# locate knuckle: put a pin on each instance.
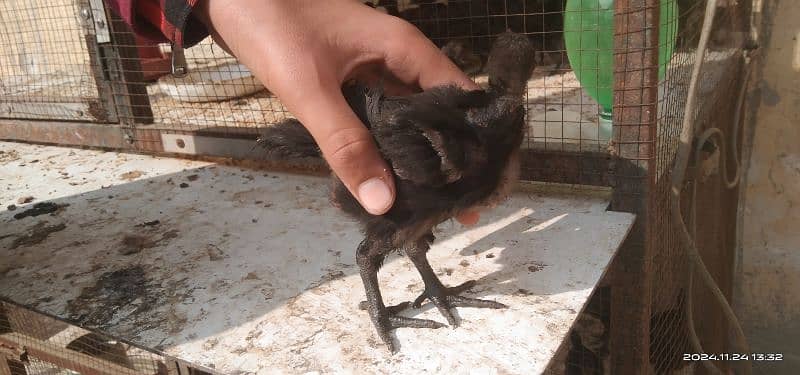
(347, 147)
(402, 33)
(401, 26)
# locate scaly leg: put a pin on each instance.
(369, 256)
(444, 298)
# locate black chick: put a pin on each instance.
(512, 56)
(450, 150)
(461, 54)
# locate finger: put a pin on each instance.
(374, 75)
(346, 144)
(469, 218)
(415, 60)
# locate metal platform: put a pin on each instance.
(249, 271)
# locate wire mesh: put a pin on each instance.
(565, 141)
(586, 350)
(221, 97)
(32, 343)
(719, 84)
(45, 65)
(562, 116)
(668, 334)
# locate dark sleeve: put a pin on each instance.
(161, 20)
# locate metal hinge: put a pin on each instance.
(95, 18)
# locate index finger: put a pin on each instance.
(414, 59)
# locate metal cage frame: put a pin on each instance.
(121, 116)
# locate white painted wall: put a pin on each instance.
(768, 298)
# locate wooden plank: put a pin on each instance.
(50, 110)
(13, 366)
(68, 335)
(64, 133)
(635, 98)
(4, 367)
(564, 167)
(82, 363)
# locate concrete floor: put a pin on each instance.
(253, 272)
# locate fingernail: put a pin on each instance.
(375, 196)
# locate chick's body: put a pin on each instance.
(450, 150)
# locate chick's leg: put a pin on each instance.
(369, 256)
(444, 298)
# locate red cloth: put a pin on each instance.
(161, 20)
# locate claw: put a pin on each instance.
(402, 321)
(445, 299)
(418, 302)
(458, 289)
(386, 320)
(444, 308)
(383, 333)
(459, 301)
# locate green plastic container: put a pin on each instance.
(589, 37)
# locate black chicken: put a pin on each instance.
(450, 150)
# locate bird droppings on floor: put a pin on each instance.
(260, 277)
(39, 209)
(36, 234)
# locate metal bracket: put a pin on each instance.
(100, 24)
(208, 146)
(179, 67)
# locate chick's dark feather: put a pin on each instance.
(443, 159)
(288, 139)
(448, 149)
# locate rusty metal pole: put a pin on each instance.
(634, 113)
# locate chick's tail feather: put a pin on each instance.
(288, 140)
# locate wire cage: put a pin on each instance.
(33, 343)
(46, 69)
(614, 119)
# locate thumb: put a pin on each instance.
(348, 147)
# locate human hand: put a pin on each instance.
(304, 50)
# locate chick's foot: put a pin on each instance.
(447, 298)
(386, 319)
